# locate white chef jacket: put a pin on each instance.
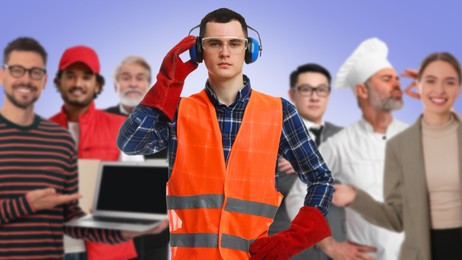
(356, 156)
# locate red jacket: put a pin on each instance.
(97, 140)
(98, 133)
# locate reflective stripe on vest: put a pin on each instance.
(250, 207)
(216, 201)
(194, 240)
(210, 240)
(194, 202)
(217, 210)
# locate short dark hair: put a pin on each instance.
(440, 56)
(222, 15)
(24, 44)
(310, 67)
(99, 79)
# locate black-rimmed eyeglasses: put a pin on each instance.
(18, 71)
(308, 90)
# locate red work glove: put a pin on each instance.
(308, 228)
(165, 93)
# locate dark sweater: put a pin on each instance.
(38, 156)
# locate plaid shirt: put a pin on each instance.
(147, 130)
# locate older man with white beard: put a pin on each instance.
(356, 154)
(132, 79)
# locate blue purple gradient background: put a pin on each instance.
(293, 32)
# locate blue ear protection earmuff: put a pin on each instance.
(253, 51)
(195, 52)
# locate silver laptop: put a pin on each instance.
(128, 196)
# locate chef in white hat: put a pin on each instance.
(356, 154)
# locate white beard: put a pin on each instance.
(130, 101)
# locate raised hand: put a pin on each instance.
(166, 92)
(412, 74)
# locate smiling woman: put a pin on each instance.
(439, 85)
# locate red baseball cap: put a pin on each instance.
(80, 53)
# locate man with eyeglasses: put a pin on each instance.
(357, 153)
(310, 92)
(38, 169)
(18, 71)
(223, 147)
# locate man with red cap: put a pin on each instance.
(79, 81)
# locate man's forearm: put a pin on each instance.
(145, 131)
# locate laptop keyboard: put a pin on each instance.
(122, 220)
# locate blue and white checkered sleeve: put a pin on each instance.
(145, 131)
(300, 150)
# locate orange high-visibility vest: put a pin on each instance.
(217, 211)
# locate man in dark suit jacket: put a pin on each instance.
(132, 79)
(309, 91)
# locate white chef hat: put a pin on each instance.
(368, 58)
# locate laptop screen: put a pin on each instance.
(133, 188)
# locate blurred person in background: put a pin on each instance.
(132, 78)
(356, 154)
(423, 174)
(79, 82)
